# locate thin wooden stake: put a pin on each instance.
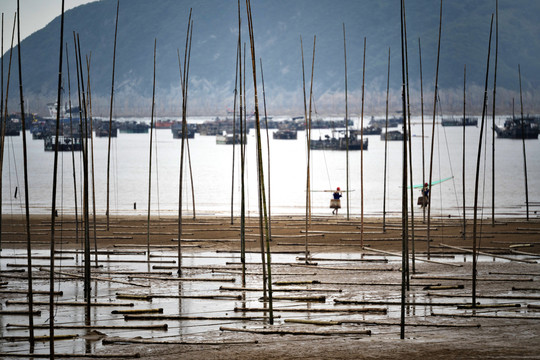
(347, 128)
(150, 157)
(493, 116)
(386, 142)
(523, 142)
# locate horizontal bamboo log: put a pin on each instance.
(182, 279)
(397, 323)
(320, 298)
(487, 306)
(515, 288)
(35, 292)
(385, 302)
(462, 278)
(443, 287)
(183, 317)
(138, 311)
(316, 310)
(38, 338)
(492, 255)
(134, 297)
(488, 316)
(300, 282)
(313, 322)
(239, 288)
(533, 306)
(20, 312)
(514, 297)
(69, 356)
(301, 258)
(416, 257)
(70, 303)
(97, 278)
(106, 327)
(347, 269)
(276, 331)
(118, 340)
(513, 273)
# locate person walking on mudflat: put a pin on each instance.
(335, 203)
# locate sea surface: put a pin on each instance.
(214, 190)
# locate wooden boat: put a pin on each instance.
(229, 139)
(285, 134)
(339, 143)
(65, 143)
(514, 128)
(459, 121)
(393, 135)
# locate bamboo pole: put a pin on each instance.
(433, 134)
(422, 115)
(347, 127)
(234, 131)
(269, 221)
(404, 202)
(92, 158)
(407, 123)
(262, 195)
(2, 125)
(307, 147)
(242, 154)
(26, 195)
(493, 115)
(473, 300)
(150, 157)
(463, 160)
(72, 151)
(110, 113)
(297, 332)
(182, 146)
(55, 173)
(523, 143)
(362, 151)
(386, 143)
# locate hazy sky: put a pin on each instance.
(35, 14)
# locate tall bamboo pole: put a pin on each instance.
(404, 202)
(362, 151)
(92, 160)
(433, 137)
(268, 151)
(476, 184)
(234, 132)
(463, 160)
(262, 214)
(386, 142)
(26, 195)
(407, 123)
(347, 127)
(86, 211)
(110, 113)
(306, 255)
(2, 125)
(493, 115)
(150, 157)
(5, 116)
(72, 151)
(523, 143)
(53, 207)
(182, 146)
(422, 115)
(242, 156)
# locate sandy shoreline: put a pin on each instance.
(448, 335)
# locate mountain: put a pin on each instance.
(278, 26)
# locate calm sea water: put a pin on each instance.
(212, 174)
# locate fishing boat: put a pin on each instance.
(285, 134)
(133, 127)
(372, 130)
(469, 121)
(176, 129)
(229, 139)
(339, 143)
(517, 129)
(392, 122)
(393, 135)
(65, 143)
